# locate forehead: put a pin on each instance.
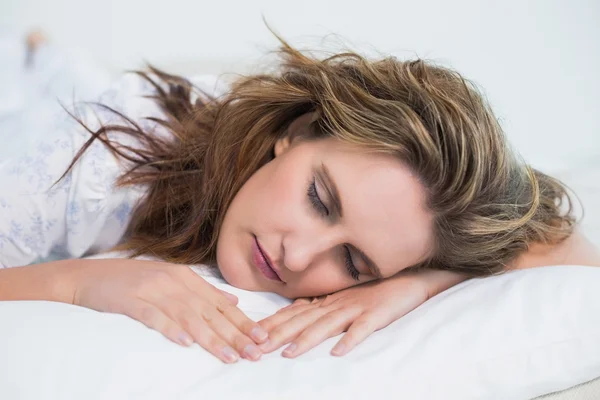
(384, 205)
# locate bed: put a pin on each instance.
(516, 336)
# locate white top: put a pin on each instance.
(85, 213)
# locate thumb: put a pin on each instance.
(232, 298)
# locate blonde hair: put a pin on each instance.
(488, 205)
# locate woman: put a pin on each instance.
(368, 186)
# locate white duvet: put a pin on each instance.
(514, 336)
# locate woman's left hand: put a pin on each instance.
(359, 310)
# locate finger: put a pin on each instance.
(357, 332)
(329, 325)
(244, 324)
(208, 339)
(290, 329)
(217, 297)
(232, 335)
(232, 298)
(178, 331)
(155, 319)
(197, 284)
(297, 302)
(195, 313)
(283, 315)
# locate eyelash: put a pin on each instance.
(350, 265)
(315, 200)
(318, 205)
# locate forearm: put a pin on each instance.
(436, 281)
(53, 281)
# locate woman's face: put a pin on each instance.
(316, 214)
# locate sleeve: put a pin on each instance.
(84, 213)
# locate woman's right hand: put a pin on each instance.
(171, 299)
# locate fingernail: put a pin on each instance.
(185, 339)
(258, 333)
(230, 354)
(252, 351)
(230, 296)
(290, 349)
(338, 350)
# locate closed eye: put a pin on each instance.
(315, 200)
(322, 209)
(354, 273)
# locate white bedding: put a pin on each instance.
(514, 336)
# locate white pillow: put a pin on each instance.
(514, 336)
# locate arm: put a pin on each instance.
(360, 310)
(371, 306)
(169, 298)
(575, 250)
(436, 281)
(52, 281)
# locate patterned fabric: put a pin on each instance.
(84, 213)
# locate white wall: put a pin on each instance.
(538, 61)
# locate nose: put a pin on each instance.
(302, 250)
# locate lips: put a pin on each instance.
(262, 263)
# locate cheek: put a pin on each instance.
(276, 195)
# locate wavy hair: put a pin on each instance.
(488, 205)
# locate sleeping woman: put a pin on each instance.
(360, 187)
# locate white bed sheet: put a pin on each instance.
(514, 336)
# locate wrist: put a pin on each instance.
(437, 281)
(53, 281)
(64, 279)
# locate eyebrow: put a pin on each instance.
(334, 195)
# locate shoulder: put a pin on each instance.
(575, 250)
